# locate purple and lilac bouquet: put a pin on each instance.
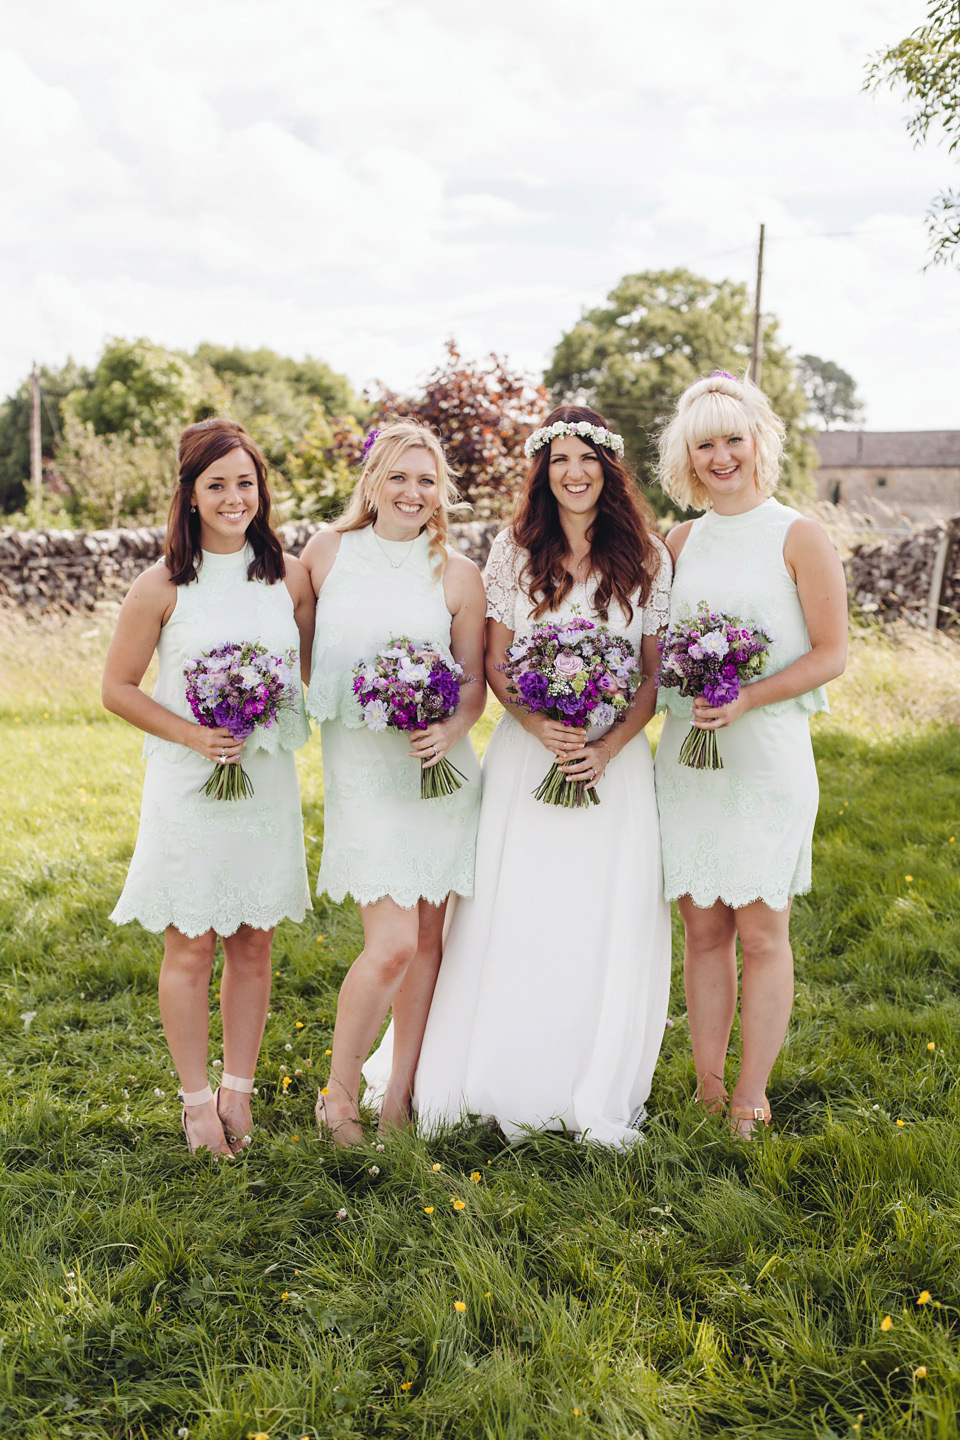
(237, 687)
(710, 655)
(407, 687)
(578, 673)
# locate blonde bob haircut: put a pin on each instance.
(392, 442)
(718, 405)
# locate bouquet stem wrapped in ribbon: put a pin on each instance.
(710, 655)
(237, 687)
(580, 674)
(407, 687)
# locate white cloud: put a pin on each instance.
(362, 179)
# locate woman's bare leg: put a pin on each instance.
(389, 944)
(766, 999)
(183, 992)
(411, 1005)
(710, 982)
(244, 1000)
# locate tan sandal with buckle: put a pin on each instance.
(744, 1120)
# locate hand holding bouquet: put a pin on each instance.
(579, 674)
(711, 655)
(237, 687)
(408, 687)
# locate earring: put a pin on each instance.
(193, 509)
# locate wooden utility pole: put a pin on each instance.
(36, 455)
(756, 354)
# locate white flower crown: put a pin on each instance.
(581, 428)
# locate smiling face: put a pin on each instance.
(227, 498)
(408, 496)
(575, 475)
(726, 466)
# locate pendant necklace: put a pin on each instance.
(394, 564)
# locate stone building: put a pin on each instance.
(886, 477)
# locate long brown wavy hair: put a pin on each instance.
(200, 446)
(622, 552)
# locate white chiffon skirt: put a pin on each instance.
(552, 996)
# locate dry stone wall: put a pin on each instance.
(63, 570)
(46, 571)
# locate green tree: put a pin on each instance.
(275, 397)
(632, 357)
(483, 413)
(55, 386)
(139, 388)
(927, 66)
(116, 479)
(831, 392)
(320, 470)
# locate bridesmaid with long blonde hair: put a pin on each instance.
(385, 570)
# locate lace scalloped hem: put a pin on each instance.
(736, 902)
(350, 718)
(331, 697)
(406, 898)
(156, 921)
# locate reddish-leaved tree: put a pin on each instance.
(483, 413)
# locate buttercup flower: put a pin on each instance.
(406, 1384)
(285, 1295)
(886, 1323)
(428, 1209)
(920, 1373)
(924, 1297)
(459, 1306)
(475, 1176)
(437, 1166)
(459, 1204)
(298, 1025)
(931, 1045)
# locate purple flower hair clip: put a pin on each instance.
(368, 443)
(715, 373)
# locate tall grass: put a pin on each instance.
(696, 1287)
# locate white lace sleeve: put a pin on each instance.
(656, 612)
(500, 578)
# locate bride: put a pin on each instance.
(550, 1004)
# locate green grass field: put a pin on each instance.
(805, 1285)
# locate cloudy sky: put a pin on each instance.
(361, 179)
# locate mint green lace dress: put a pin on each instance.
(745, 832)
(379, 838)
(202, 864)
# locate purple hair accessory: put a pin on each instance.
(714, 373)
(367, 444)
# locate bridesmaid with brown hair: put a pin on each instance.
(204, 867)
